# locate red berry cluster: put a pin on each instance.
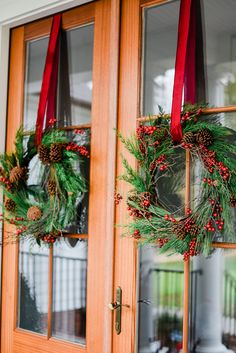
(133, 212)
(19, 219)
(191, 115)
(50, 239)
(52, 121)
(117, 198)
(7, 184)
(192, 249)
(136, 234)
(146, 203)
(81, 149)
(159, 162)
(168, 217)
(187, 145)
(188, 211)
(79, 131)
(19, 231)
(145, 130)
(210, 162)
(161, 242)
(217, 220)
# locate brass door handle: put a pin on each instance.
(117, 306)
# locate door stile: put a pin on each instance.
(128, 111)
(103, 144)
(10, 250)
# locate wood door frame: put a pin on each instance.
(106, 40)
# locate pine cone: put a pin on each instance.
(178, 229)
(194, 230)
(204, 137)
(43, 152)
(10, 205)
(18, 173)
(189, 138)
(232, 201)
(56, 152)
(34, 213)
(145, 196)
(52, 188)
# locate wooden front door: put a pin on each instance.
(175, 306)
(55, 300)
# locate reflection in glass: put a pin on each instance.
(79, 72)
(214, 326)
(33, 288)
(159, 50)
(160, 302)
(35, 59)
(75, 77)
(69, 290)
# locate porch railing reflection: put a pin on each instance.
(167, 312)
(69, 282)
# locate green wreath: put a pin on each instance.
(42, 185)
(183, 231)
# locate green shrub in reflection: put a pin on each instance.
(30, 317)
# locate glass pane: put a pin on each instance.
(160, 39)
(33, 288)
(35, 59)
(69, 290)
(160, 302)
(75, 77)
(213, 305)
(79, 70)
(161, 279)
(220, 51)
(159, 48)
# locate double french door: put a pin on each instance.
(119, 66)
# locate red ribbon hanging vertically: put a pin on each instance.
(180, 65)
(49, 83)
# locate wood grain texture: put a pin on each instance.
(70, 19)
(128, 111)
(101, 211)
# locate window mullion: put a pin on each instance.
(50, 291)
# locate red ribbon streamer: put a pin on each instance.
(49, 82)
(190, 65)
(180, 65)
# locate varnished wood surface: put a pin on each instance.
(9, 255)
(128, 111)
(70, 19)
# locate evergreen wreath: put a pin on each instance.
(210, 219)
(42, 212)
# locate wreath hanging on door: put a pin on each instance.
(42, 212)
(157, 155)
(47, 158)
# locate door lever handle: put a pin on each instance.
(117, 306)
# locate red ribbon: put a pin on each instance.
(180, 65)
(190, 65)
(49, 83)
